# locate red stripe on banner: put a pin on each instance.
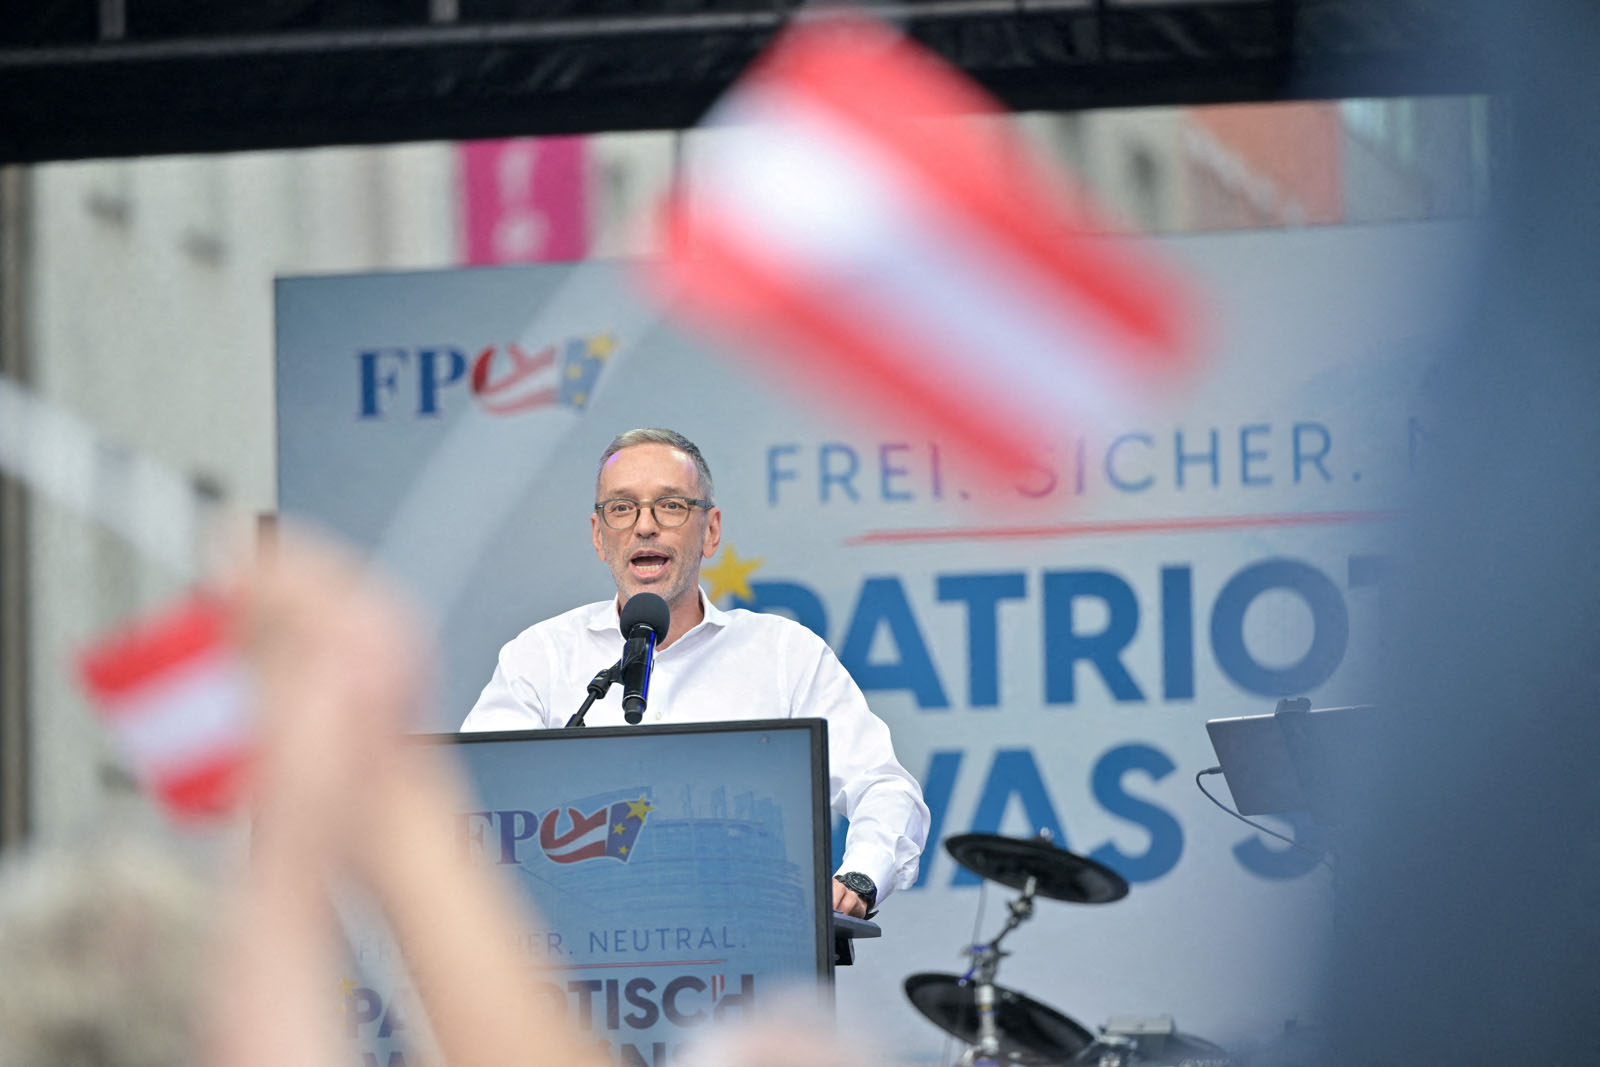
(730, 287)
(981, 174)
(195, 628)
(1122, 526)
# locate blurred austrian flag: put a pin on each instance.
(176, 698)
(854, 211)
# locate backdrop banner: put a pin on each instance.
(1046, 654)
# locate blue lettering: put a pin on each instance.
(1111, 468)
(1012, 774)
(1303, 456)
(776, 474)
(883, 602)
(365, 1006)
(1246, 454)
(1064, 646)
(1047, 482)
(510, 834)
(669, 1000)
(788, 598)
(391, 1021)
(1166, 835)
(1330, 628)
(886, 471)
(844, 477)
(1177, 633)
(636, 991)
(429, 381)
(375, 378)
(1283, 862)
(1185, 458)
(585, 989)
(982, 594)
(937, 785)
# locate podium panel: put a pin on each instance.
(676, 873)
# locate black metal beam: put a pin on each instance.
(598, 69)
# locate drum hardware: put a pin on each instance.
(1031, 1034)
(1055, 873)
(985, 964)
(1148, 1041)
(1003, 1026)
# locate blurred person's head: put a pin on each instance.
(654, 519)
(101, 953)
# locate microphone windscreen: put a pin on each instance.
(645, 609)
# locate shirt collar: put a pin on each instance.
(605, 617)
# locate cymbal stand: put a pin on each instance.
(985, 964)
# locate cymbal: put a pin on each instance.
(1058, 874)
(1030, 1032)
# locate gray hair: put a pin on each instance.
(655, 435)
(101, 956)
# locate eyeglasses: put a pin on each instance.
(621, 513)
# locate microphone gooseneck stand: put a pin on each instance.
(597, 689)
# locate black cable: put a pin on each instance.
(1318, 856)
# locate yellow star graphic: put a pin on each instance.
(347, 989)
(622, 850)
(638, 809)
(601, 345)
(619, 829)
(730, 575)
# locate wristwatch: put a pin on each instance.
(861, 886)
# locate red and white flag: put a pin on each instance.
(847, 210)
(176, 697)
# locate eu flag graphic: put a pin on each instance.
(608, 831)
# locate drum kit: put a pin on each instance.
(1002, 1026)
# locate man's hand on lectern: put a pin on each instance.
(847, 902)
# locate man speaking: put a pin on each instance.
(653, 524)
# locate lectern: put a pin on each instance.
(677, 874)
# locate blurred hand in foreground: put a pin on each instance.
(340, 664)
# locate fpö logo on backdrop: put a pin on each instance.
(564, 834)
(422, 382)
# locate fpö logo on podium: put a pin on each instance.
(509, 379)
(564, 834)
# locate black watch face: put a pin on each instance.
(861, 886)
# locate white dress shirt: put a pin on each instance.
(734, 665)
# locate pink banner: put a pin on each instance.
(524, 200)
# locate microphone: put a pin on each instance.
(645, 618)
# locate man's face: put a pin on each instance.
(650, 557)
